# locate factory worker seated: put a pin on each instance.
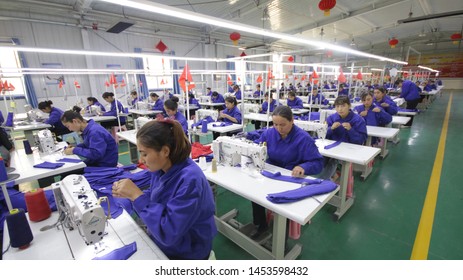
(178, 207)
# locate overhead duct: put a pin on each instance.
(120, 26)
(428, 17)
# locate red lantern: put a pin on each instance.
(161, 46)
(291, 59)
(455, 38)
(235, 36)
(393, 42)
(326, 6)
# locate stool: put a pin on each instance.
(115, 130)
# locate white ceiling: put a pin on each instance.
(368, 23)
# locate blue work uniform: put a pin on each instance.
(273, 105)
(113, 112)
(238, 95)
(409, 91)
(430, 87)
(209, 93)
(134, 101)
(102, 108)
(356, 135)
(319, 99)
(182, 120)
(193, 101)
(235, 113)
(344, 91)
(99, 147)
(295, 104)
(258, 93)
(297, 149)
(218, 99)
(178, 210)
(392, 109)
(158, 105)
(54, 120)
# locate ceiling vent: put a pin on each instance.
(120, 26)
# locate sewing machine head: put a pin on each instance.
(141, 121)
(324, 114)
(202, 113)
(251, 108)
(79, 208)
(229, 151)
(141, 105)
(94, 110)
(45, 141)
(205, 99)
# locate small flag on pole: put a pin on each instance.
(186, 76)
(60, 85)
(259, 79)
(11, 87)
(76, 84)
(106, 84)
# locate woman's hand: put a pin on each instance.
(347, 125)
(335, 125)
(69, 151)
(125, 188)
(376, 110)
(298, 172)
(363, 113)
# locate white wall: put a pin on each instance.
(453, 83)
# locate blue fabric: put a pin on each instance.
(113, 111)
(295, 104)
(178, 210)
(9, 119)
(327, 147)
(31, 96)
(193, 101)
(391, 109)
(235, 113)
(122, 253)
(99, 147)
(356, 135)
(182, 120)
(303, 192)
(291, 179)
(344, 91)
(218, 99)
(255, 135)
(141, 77)
(409, 91)
(158, 105)
(208, 158)
(430, 87)
(297, 149)
(273, 105)
(318, 99)
(221, 124)
(208, 119)
(48, 165)
(70, 160)
(238, 95)
(374, 118)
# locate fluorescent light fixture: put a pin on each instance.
(376, 69)
(233, 25)
(427, 68)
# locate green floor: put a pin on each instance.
(383, 221)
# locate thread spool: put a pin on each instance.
(3, 175)
(204, 126)
(214, 166)
(27, 147)
(19, 229)
(37, 205)
(9, 119)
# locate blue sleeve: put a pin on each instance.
(358, 132)
(329, 132)
(95, 148)
(383, 118)
(405, 90)
(262, 138)
(312, 161)
(112, 111)
(169, 223)
(2, 120)
(359, 108)
(392, 109)
(299, 104)
(54, 118)
(237, 116)
(158, 105)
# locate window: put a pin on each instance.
(158, 73)
(10, 72)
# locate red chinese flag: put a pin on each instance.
(229, 80)
(162, 82)
(303, 78)
(259, 79)
(286, 77)
(1, 85)
(112, 79)
(60, 85)
(106, 84)
(314, 77)
(359, 75)
(341, 78)
(186, 76)
(76, 84)
(123, 83)
(5, 85)
(11, 87)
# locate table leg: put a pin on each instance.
(340, 200)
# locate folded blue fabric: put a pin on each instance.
(221, 124)
(9, 119)
(49, 165)
(122, 253)
(325, 186)
(132, 166)
(291, 179)
(327, 147)
(70, 160)
(208, 119)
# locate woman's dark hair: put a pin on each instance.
(268, 94)
(343, 99)
(231, 99)
(156, 134)
(215, 93)
(45, 104)
(365, 94)
(381, 89)
(191, 95)
(133, 92)
(76, 108)
(398, 82)
(284, 112)
(107, 94)
(70, 115)
(258, 85)
(236, 87)
(93, 99)
(153, 94)
(172, 103)
(292, 94)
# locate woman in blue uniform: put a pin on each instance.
(268, 100)
(135, 99)
(171, 108)
(384, 101)
(293, 101)
(409, 92)
(231, 114)
(289, 147)
(54, 118)
(99, 147)
(158, 104)
(372, 114)
(317, 98)
(178, 208)
(109, 97)
(344, 126)
(93, 101)
(258, 92)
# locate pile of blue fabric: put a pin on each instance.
(208, 119)
(255, 135)
(314, 116)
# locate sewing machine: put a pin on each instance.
(324, 114)
(141, 121)
(94, 110)
(202, 113)
(205, 99)
(45, 141)
(251, 108)
(141, 105)
(229, 151)
(79, 208)
(320, 128)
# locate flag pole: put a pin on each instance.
(113, 82)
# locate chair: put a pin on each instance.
(115, 130)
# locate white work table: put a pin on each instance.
(222, 129)
(100, 118)
(144, 112)
(28, 128)
(255, 187)
(258, 117)
(405, 113)
(299, 111)
(347, 154)
(205, 104)
(400, 120)
(59, 244)
(315, 106)
(385, 133)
